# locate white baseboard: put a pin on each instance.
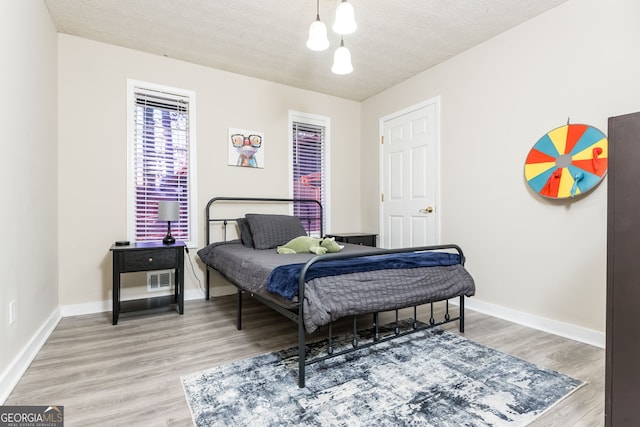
(220, 291)
(86, 308)
(18, 367)
(102, 306)
(566, 330)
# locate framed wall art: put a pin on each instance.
(246, 148)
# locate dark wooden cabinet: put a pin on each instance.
(356, 238)
(622, 377)
(148, 256)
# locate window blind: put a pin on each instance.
(309, 171)
(161, 162)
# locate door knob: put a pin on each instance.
(428, 209)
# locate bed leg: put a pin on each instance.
(330, 343)
(239, 324)
(354, 342)
(461, 327)
(302, 354)
(432, 321)
(376, 329)
(415, 317)
(397, 328)
(446, 313)
(207, 290)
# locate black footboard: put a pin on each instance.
(377, 339)
(416, 325)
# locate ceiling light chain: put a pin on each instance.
(344, 23)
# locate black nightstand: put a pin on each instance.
(148, 256)
(356, 238)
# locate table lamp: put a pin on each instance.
(168, 211)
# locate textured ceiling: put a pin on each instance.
(396, 39)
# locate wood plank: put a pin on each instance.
(130, 373)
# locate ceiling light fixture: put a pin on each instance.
(345, 22)
(318, 40)
(342, 60)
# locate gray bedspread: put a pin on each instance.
(330, 298)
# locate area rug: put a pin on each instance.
(429, 378)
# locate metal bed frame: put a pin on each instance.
(296, 314)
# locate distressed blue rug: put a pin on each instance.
(430, 378)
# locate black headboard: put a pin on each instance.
(314, 214)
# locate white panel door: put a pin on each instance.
(409, 177)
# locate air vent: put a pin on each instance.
(159, 280)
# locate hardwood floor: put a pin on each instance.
(129, 374)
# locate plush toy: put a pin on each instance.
(305, 244)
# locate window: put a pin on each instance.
(161, 156)
(309, 178)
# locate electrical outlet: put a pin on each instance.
(12, 312)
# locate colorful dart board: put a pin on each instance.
(568, 161)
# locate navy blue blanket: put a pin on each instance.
(283, 280)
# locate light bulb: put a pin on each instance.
(342, 60)
(318, 36)
(345, 22)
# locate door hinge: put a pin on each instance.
(382, 197)
(382, 139)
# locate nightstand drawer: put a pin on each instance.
(362, 240)
(356, 238)
(156, 259)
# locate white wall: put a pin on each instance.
(542, 258)
(65, 205)
(28, 119)
(92, 92)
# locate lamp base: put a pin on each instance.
(168, 240)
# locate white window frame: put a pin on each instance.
(132, 86)
(316, 120)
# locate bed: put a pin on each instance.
(316, 290)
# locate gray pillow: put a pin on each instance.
(269, 231)
(245, 232)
